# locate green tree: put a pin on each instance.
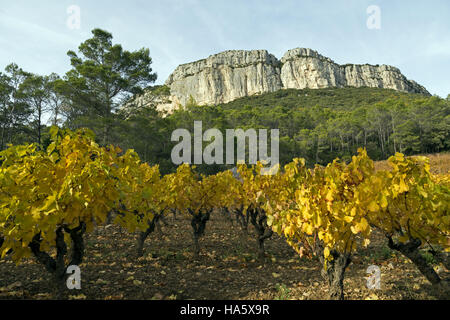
(5, 96)
(104, 76)
(57, 101)
(13, 112)
(34, 92)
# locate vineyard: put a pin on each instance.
(298, 233)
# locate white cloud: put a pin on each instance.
(35, 31)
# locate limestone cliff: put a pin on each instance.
(233, 74)
(305, 68)
(225, 76)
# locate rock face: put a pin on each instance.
(225, 76)
(233, 74)
(157, 97)
(305, 68)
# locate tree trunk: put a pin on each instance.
(196, 245)
(109, 217)
(334, 272)
(198, 224)
(174, 213)
(411, 251)
(39, 125)
(264, 232)
(393, 134)
(158, 227)
(2, 240)
(365, 138)
(242, 219)
(317, 150)
(55, 119)
(3, 137)
(76, 236)
(143, 236)
(56, 266)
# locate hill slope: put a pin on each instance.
(322, 124)
(336, 98)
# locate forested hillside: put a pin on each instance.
(322, 124)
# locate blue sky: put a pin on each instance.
(414, 35)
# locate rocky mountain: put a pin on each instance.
(233, 74)
(226, 76)
(305, 68)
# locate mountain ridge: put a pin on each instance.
(232, 74)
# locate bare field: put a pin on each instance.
(227, 269)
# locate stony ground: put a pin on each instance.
(226, 269)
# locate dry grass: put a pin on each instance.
(439, 163)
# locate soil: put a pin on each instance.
(226, 269)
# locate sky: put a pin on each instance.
(413, 36)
